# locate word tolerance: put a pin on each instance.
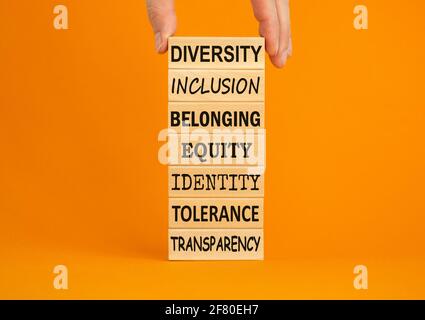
(216, 148)
(213, 213)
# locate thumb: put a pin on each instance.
(163, 20)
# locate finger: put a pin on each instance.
(290, 36)
(282, 8)
(266, 15)
(290, 47)
(163, 20)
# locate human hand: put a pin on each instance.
(163, 20)
(273, 16)
(275, 27)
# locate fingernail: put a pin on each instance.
(158, 41)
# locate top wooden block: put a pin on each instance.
(216, 53)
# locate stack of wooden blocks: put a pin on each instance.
(216, 148)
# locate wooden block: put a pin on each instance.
(198, 181)
(224, 149)
(209, 116)
(216, 53)
(215, 85)
(213, 213)
(215, 244)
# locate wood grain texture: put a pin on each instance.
(252, 60)
(199, 181)
(234, 116)
(215, 85)
(216, 244)
(225, 149)
(215, 213)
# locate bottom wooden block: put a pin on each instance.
(215, 244)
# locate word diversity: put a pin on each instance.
(216, 148)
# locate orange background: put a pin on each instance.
(80, 183)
